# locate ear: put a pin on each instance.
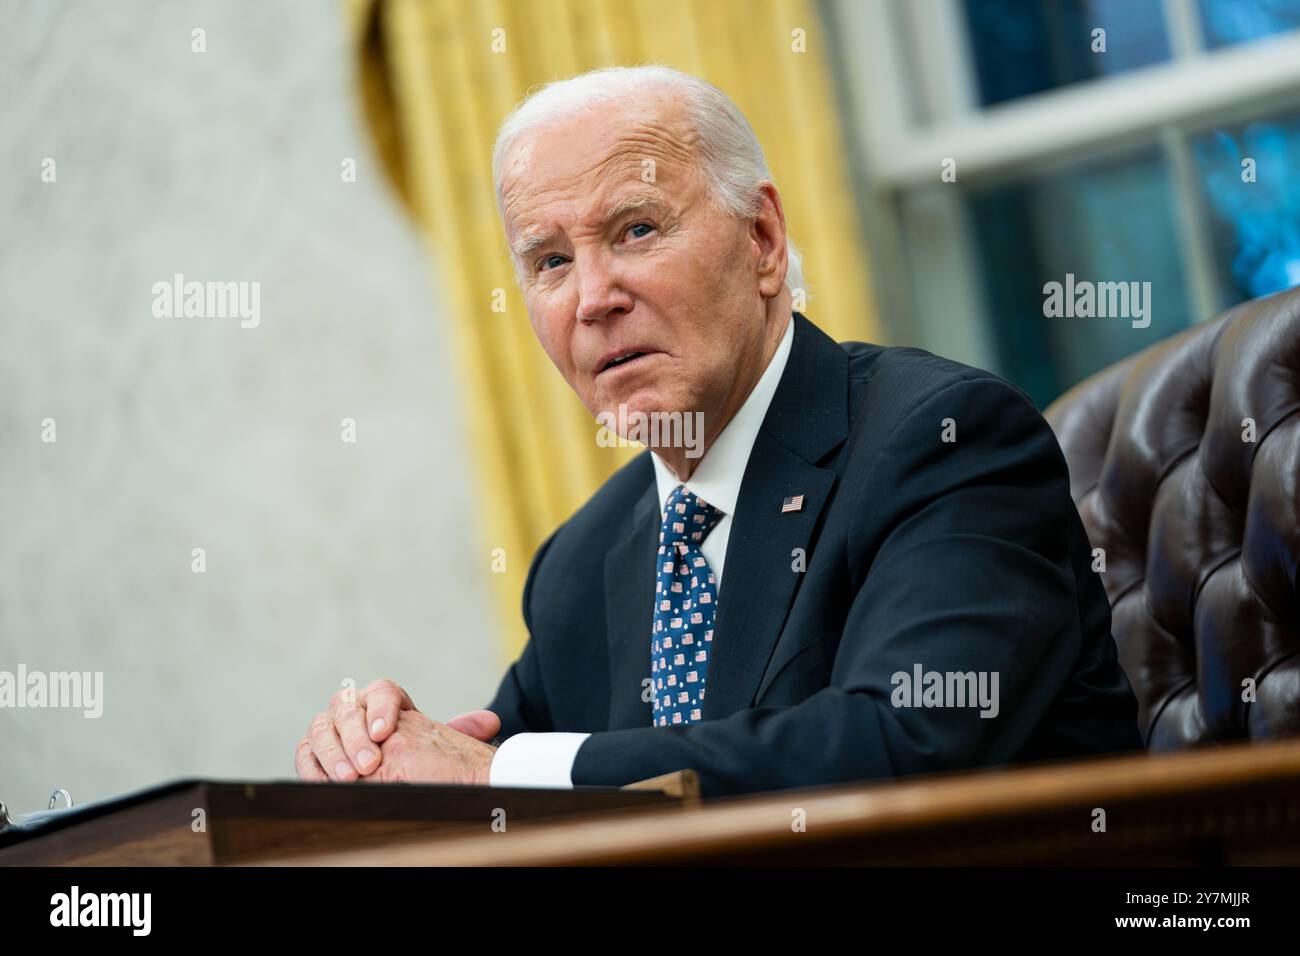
(767, 232)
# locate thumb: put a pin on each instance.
(479, 724)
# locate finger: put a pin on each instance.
(328, 750)
(350, 724)
(306, 764)
(382, 701)
(479, 724)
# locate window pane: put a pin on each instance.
(1225, 22)
(1110, 222)
(1019, 47)
(1250, 177)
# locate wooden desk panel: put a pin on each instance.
(201, 823)
(1234, 804)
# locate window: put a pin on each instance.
(1225, 22)
(1000, 148)
(1101, 222)
(1020, 47)
(1250, 178)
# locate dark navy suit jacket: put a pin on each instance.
(958, 556)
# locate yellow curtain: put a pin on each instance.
(436, 77)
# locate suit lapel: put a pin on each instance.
(759, 578)
(629, 612)
(808, 419)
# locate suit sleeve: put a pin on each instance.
(520, 700)
(963, 566)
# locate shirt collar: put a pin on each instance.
(717, 477)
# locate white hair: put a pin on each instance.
(731, 158)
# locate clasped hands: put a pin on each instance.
(376, 734)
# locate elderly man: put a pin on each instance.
(874, 568)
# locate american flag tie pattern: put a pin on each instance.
(686, 600)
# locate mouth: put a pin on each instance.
(621, 359)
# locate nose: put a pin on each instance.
(600, 289)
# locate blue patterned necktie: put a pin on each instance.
(686, 598)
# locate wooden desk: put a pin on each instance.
(206, 822)
(1236, 804)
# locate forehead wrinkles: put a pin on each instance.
(671, 148)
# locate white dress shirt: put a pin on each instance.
(546, 759)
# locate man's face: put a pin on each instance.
(640, 291)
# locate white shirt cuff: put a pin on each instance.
(536, 760)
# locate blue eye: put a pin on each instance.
(543, 264)
(640, 225)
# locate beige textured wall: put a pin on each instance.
(325, 560)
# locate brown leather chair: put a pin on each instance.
(1200, 526)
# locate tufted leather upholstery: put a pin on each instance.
(1200, 528)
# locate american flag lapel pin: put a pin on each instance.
(793, 503)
